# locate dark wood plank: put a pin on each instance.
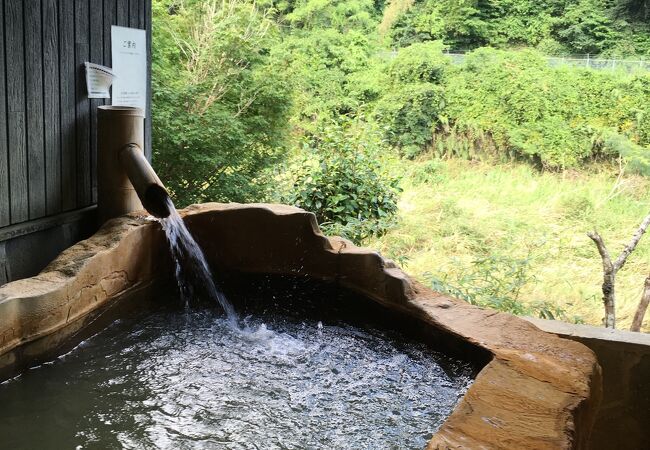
(67, 98)
(110, 19)
(46, 118)
(87, 214)
(5, 216)
(123, 13)
(96, 56)
(148, 121)
(134, 13)
(17, 140)
(52, 107)
(34, 109)
(82, 54)
(4, 264)
(142, 14)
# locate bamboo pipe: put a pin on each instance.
(126, 181)
(148, 186)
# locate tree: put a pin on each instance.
(220, 101)
(611, 268)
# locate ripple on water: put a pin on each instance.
(190, 380)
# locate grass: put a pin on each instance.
(454, 212)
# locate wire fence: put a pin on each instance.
(628, 65)
(585, 61)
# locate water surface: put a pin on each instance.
(297, 376)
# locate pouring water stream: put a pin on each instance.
(190, 262)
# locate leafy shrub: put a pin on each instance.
(508, 104)
(419, 63)
(553, 141)
(554, 26)
(636, 157)
(585, 28)
(409, 115)
(342, 183)
(341, 15)
(428, 172)
(554, 117)
(333, 73)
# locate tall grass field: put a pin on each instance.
(521, 233)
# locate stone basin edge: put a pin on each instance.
(538, 391)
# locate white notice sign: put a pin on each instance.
(129, 49)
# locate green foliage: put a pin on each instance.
(636, 157)
(419, 63)
(496, 282)
(340, 15)
(585, 27)
(555, 26)
(341, 181)
(220, 104)
(492, 281)
(233, 90)
(552, 116)
(428, 172)
(414, 99)
(409, 115)
(504, 104)
(334, 74)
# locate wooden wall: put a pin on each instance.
(47, 123)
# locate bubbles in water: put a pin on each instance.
(175, 381)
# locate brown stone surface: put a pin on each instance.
(624, 356)
(125, 254)
(537, 391)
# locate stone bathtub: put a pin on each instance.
(534, 390)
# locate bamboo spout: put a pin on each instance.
(126, 181)
(148, 186)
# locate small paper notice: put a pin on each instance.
(129, 49)
(98, 80)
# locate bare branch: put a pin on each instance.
(610, 269)
(629, 248)
(643, 306)
(609, 281)
(602, 249)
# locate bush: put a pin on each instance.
(636, 157)
(554, 26)
(342, 183)
(330, 73)
(553, 141)
(414, 99)
(552, 116)
(419, 63)
(409, 116)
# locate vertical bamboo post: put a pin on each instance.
(117, 127)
